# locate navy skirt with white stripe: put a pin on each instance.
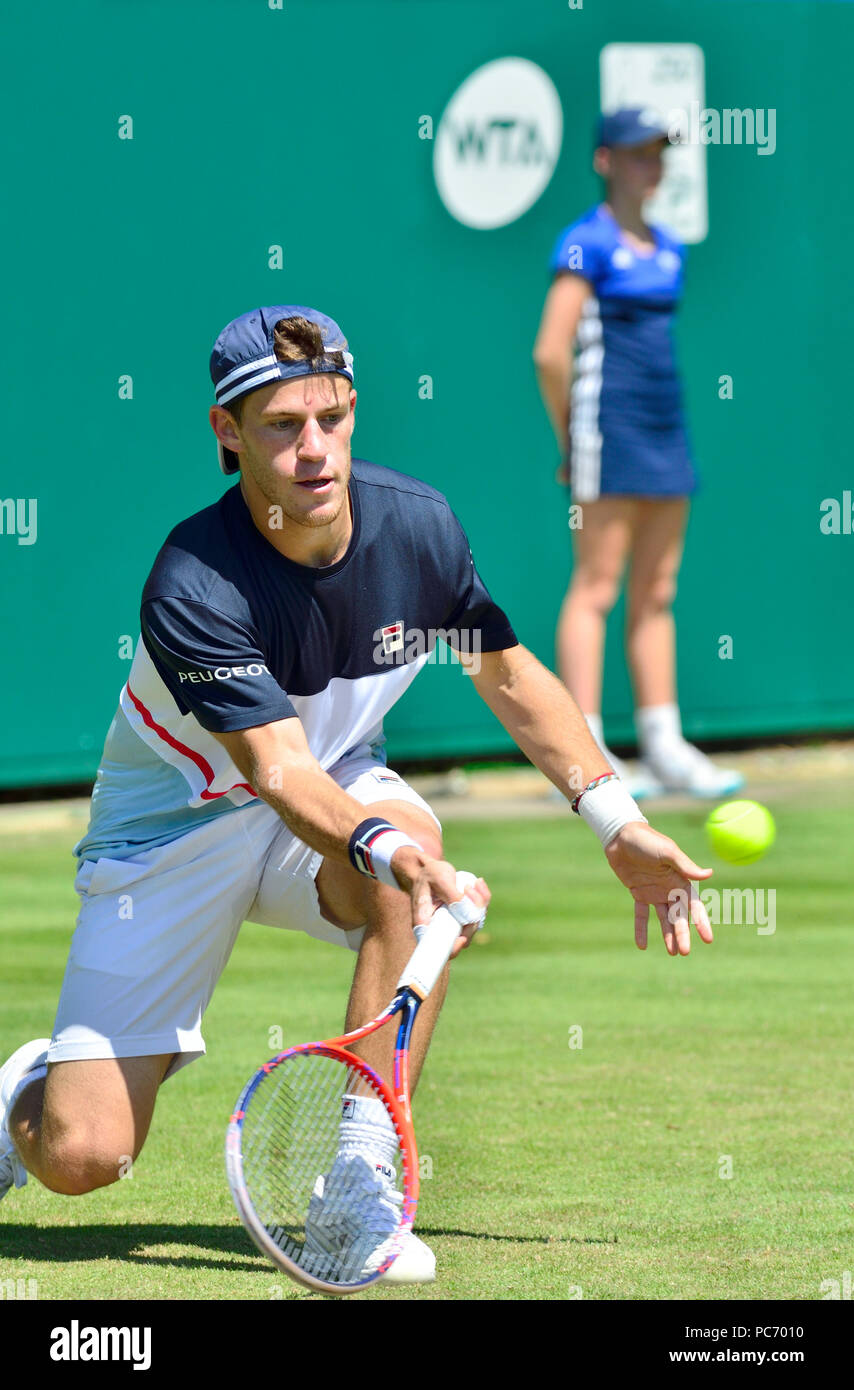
(627, 431)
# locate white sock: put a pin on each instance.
(659, 728)
(594, 724)
(367, 1131)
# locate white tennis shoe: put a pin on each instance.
(31, 1056)
(683, 768)
(353, 1217)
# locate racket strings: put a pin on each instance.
(331, 1214)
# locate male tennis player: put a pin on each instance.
(244, 778)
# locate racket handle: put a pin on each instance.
(435, 943)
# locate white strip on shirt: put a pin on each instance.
(585, 436)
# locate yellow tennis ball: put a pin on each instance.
(740, 831)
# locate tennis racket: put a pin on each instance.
(322, 1223)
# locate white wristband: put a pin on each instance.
(382, 849)
(607, 808)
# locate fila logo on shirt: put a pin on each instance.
(224, 673)
(392, 637)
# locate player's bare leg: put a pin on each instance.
(388, 943)
(650, 626)
(352, 900)
(600, 552)
(81, 1126)
(651, 647)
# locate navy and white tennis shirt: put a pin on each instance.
(627, 429)
(236, 635)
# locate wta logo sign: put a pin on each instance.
(498, 143)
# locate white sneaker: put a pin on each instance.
(12, 1171)
(684, 768)
(353, 1217)
(27, 1058)
(638, 781)
(416, 1264)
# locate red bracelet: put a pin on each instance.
(597, 782)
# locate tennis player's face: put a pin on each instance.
(295, 446)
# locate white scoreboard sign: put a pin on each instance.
(670, 78)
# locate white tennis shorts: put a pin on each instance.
(154, 932)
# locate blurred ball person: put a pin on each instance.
(616, 284)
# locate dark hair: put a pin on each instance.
(294, 340)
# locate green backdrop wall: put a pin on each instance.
(299, 127)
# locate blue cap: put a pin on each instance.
(631, 126)
(244, 358)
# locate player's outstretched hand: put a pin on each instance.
(431, 884)
(659, 875)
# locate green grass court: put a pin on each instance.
(556, 1171)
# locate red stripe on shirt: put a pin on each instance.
(201, 762)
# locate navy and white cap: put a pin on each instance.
(631, 126)
(244, 358)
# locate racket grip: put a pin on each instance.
(435, 942)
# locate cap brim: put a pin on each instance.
(228, 461)
(634, 142)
